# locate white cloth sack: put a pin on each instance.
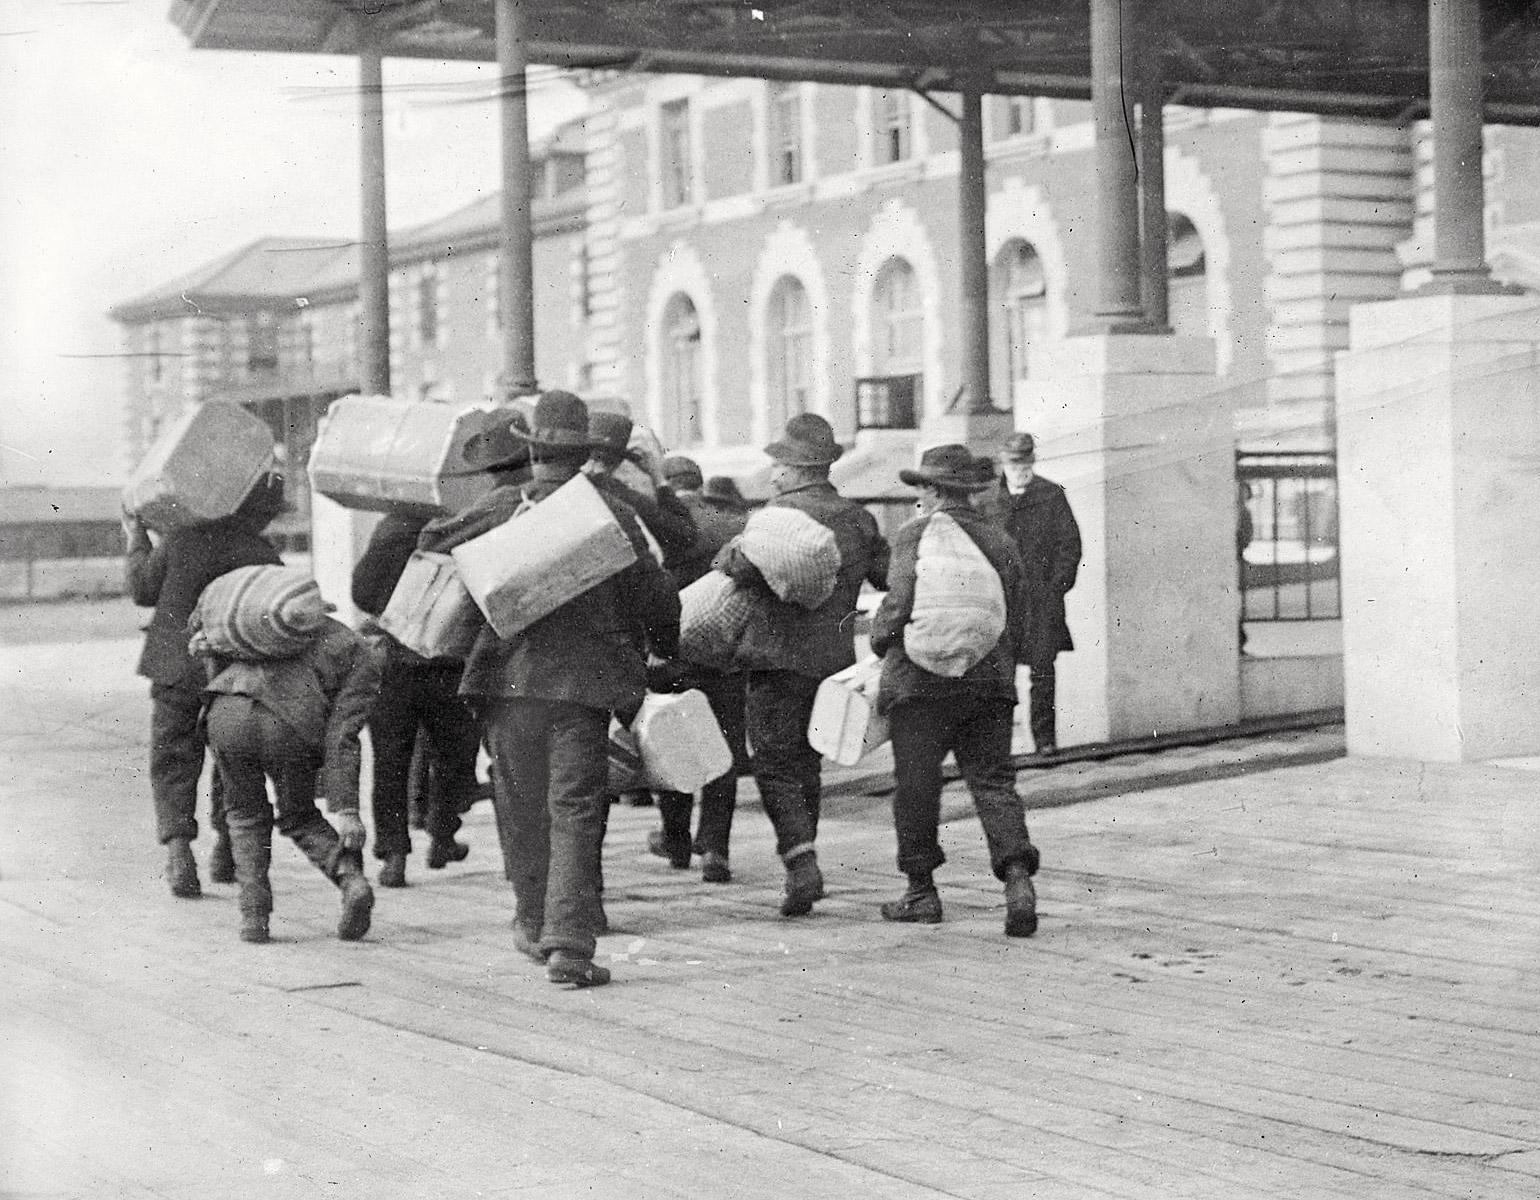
(845, 726)
(713, 613)
(798, 555)
(959, 605)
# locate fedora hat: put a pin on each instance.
(610, 431)
(949, 466)
(682, 471)
(807, 441)
(560, 422)
(500, 448)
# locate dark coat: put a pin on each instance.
(664, 514)
(995, 674)
(324, 695)
(172, 576)
(1045, 532)
(814, 642)
(379, 570)
(590, 651)
(716, 524)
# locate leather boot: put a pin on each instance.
(919, 905)
(357, 898)
(251, 852)
(393, 871)
(573, 970)
(526, 941)
(1020, 902)
(714, 868)
(443, 851)
(674, 847)
(182, 869)
(222, 861)
(804, 885)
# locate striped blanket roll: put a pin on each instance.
(257, 614)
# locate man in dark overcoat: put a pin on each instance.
(787, 650)
(547, 695)
(421, 694)
(171, 575)
(1037, 515)
(968, 715)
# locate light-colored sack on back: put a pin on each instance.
(258, 614)
(959, 605)
(798, 555)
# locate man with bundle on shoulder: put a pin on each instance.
(946, 634)
(547, 695)
(788, 648)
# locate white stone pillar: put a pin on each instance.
(1135, 430)
(1438, 435)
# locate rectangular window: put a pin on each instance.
(674, 145)
(1019, 116)
(893, 133)
(887, 401)
(427, 305)
(262, 344)
(785, 134)
(1286, 537)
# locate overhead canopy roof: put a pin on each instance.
(1356, 57)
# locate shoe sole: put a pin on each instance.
(577, 975)
(903, 918)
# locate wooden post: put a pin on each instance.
(516, 291)
(374, 259)
(1155, 270)
(972, 253)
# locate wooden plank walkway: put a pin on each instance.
(1322, 981)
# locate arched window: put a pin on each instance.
(898, 324)
(1188, 303)
(1020, 312)
(789, 371)
(681, 359)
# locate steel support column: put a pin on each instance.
(516, 275)
(1459, 191)
(374, 257)
(972, 253)
(1114, 79)
(1155, 271)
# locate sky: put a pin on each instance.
(128, 158)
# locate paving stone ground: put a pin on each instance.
(1251, 980)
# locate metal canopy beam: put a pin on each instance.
(1365, 58)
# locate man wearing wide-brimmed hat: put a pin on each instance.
(547, 695)
(422, 694)
(614, 468)
(788, 650)
(966, 712)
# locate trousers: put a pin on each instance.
(1042, 718)
(413, 696)
(719, 798)
(550, 769)
(777, 708)
(978, 731)
(177, 747)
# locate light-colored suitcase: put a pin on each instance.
(845, 725)
(430, 612)
(381, 454)
(680, 742)
(544, 556)
(201, 467)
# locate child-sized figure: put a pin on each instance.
(296, 721)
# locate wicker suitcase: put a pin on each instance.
(381, 454)
(201, 467)
(430, 612)
(546, 555)
(845, 725)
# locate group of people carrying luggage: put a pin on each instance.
(950, 630)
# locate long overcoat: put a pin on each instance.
(1044, 529)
